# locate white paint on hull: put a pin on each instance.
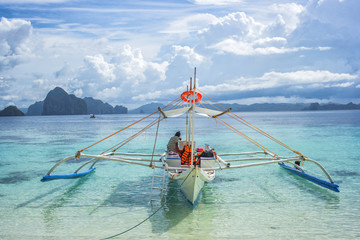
(192, 181)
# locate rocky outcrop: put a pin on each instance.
(58, 102)
(118, 109)
(35, 109)
(96, 106)
(11, 111)
(332, 106)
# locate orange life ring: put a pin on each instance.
(186, 96)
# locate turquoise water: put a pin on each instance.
(252, 203)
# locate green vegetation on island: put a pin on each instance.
(59, 102)
(11, 111)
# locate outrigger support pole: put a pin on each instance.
(161, 111)
(322, 168)
(226, 111)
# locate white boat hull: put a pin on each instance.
(192, 181)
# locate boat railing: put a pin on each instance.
(242, 153)
(254, 164)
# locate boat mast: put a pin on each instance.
(193, 119)
(188, 124)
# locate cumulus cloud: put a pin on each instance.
(304, 77)
(288, 15)
(155, 95)
(131, 65)
(215, 2)
(33, 1)
(276, 80)
(242, 50)
(13, 35)
(253, 48)
(240, 34)
(184, 26)
(192, 58)
(237, 24)
(114, 78)
(102, 69)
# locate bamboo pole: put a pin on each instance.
(193, 119)
(252, 164)
(242, 153)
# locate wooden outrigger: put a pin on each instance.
(192, 177)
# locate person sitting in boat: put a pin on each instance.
(173, 145)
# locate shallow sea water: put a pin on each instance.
(264, 202)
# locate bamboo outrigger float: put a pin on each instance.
(203, 162)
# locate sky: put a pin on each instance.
(133, 52)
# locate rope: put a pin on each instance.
(246, 123)
(246, 137)
(241, 133)
(127, 140)
(178, 104)
(137, 134)
(266, 134)
(80, 151)
(162, 205)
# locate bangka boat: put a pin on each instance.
(199, 166)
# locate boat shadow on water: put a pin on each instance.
(172, 211)
(49, 212)
(316, 191)
(132, 195)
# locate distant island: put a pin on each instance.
(11, 111)
(332, 106)
(147, 108)
(59, 102)
(281, 107)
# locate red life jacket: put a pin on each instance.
(186, 156)
(197, 159)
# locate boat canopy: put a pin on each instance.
(199, 110)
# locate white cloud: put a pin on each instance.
(14, 34)
(237, 24)
(289, 15)
(216, 2)
(78, 93)
(41, 83)
(240, 34)
(102, 68)
(192, 58)
(159, 94)
(239, 48)
(131, 65)
(118, 77)
(148, 96)
(185, 25)
(276, 99)
(341, 85)
(298, 79)
(109, 93)
(33, 1)
(304, 77)
(252, 48)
